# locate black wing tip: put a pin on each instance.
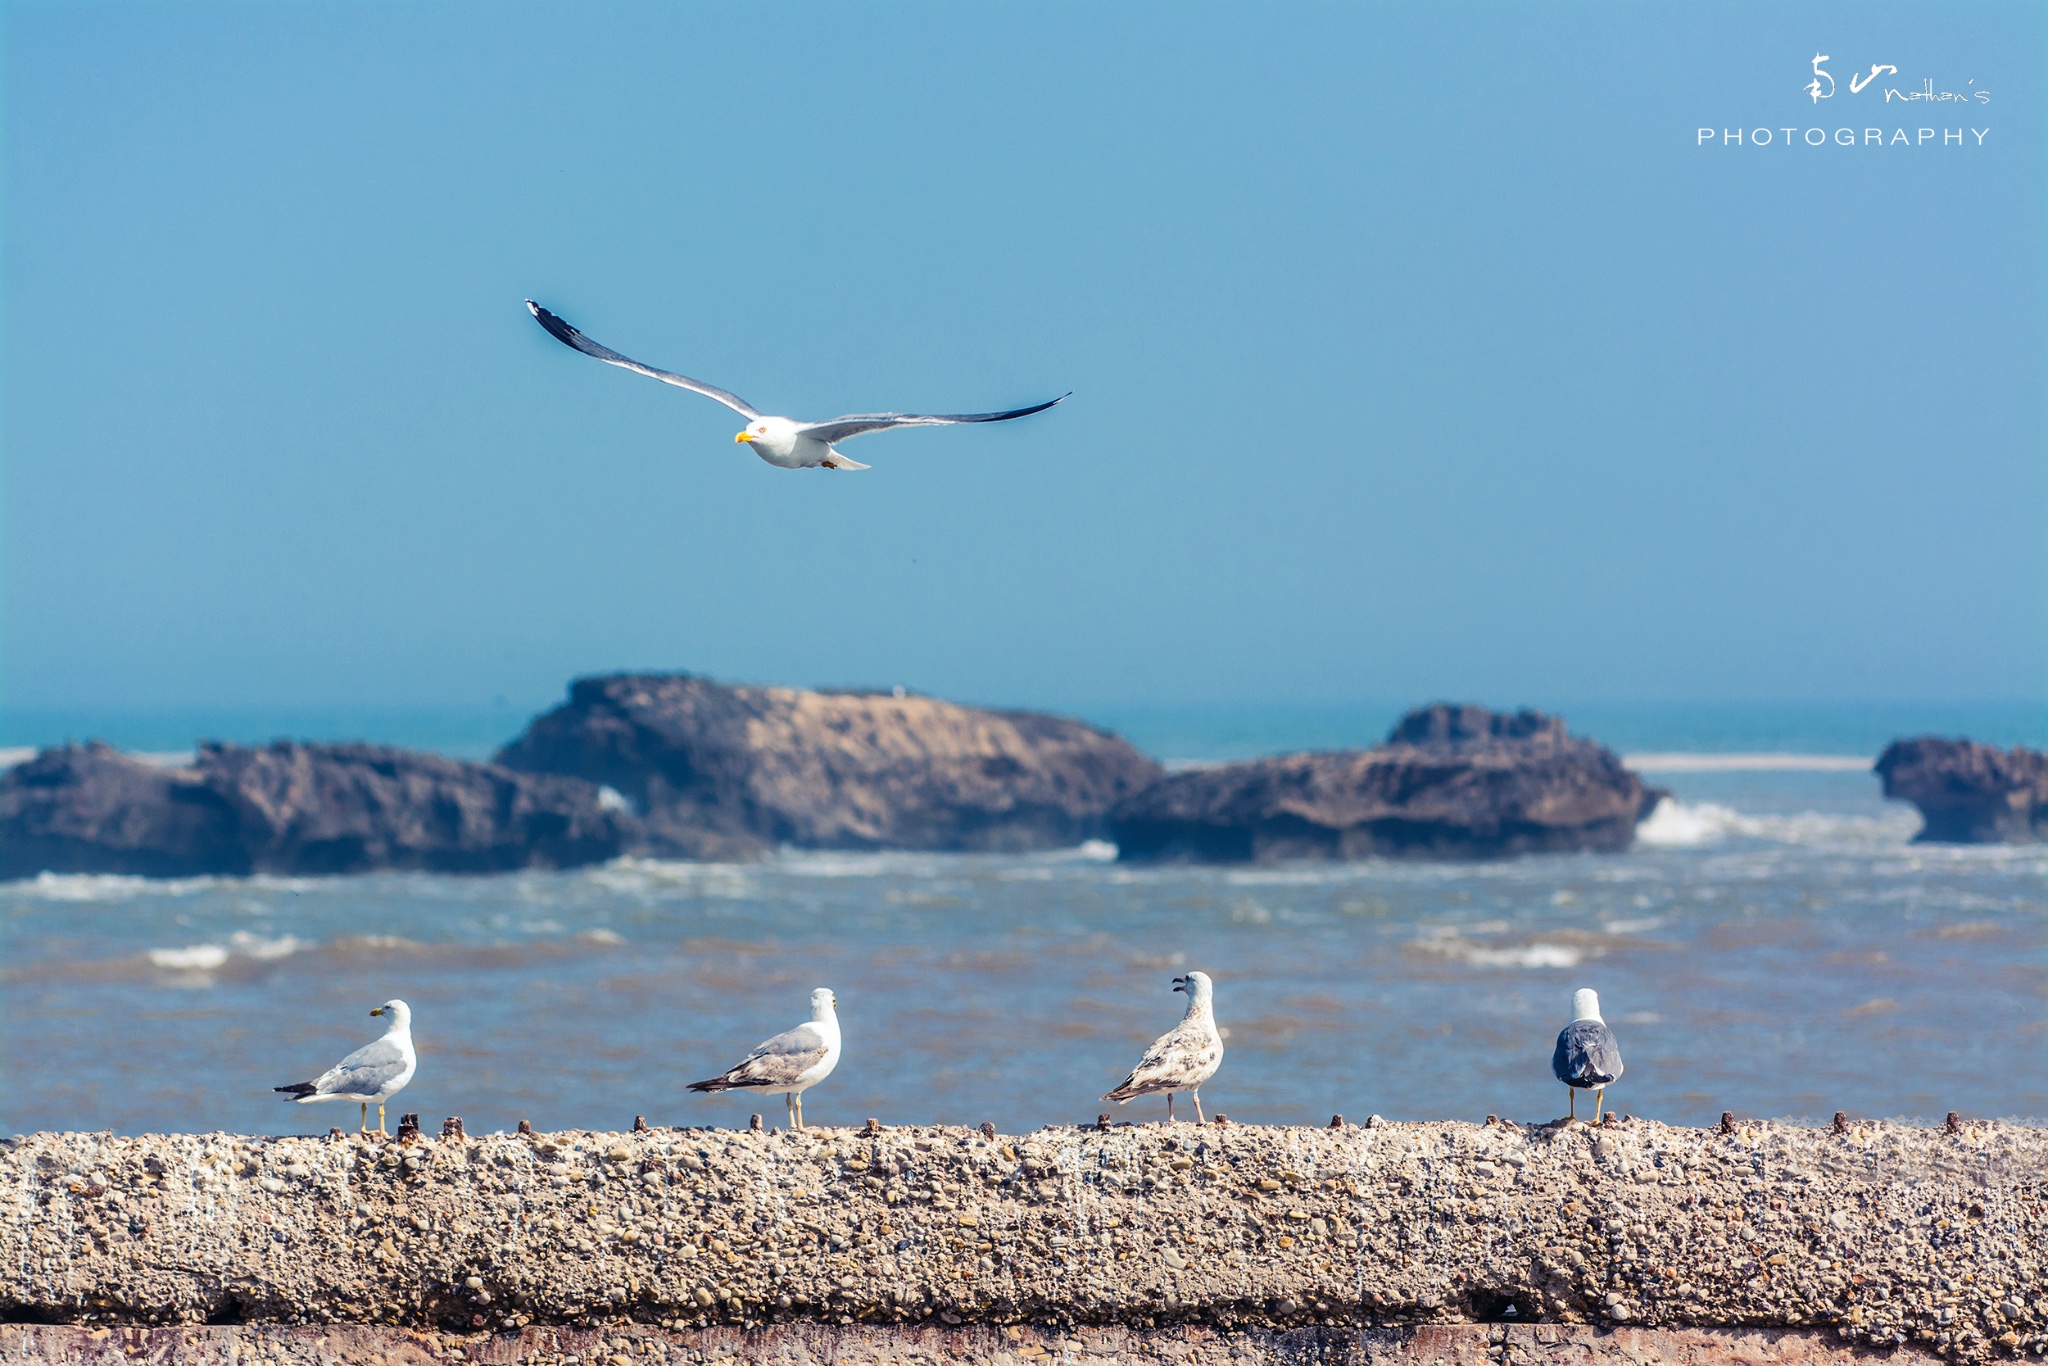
(1015, 413)
(559, 330)
(297, 1088)
(715, 1084)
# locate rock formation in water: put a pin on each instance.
(1451, 782)
(717, 771)
(296, 809)
(1969, 793)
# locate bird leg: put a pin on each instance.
(789, 1107)
(364, 1127)
(1599, 1094)
(1197, 1094)
(1573, 1094)
(798, 1097)
(1169, 1107)
(380, 1117)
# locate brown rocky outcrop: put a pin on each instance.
(1451, 782)
(721, 771)
(1969, 793)
(296, 809)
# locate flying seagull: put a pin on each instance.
(1587, 1058)
(789, 1064)
(781, 441)
(373, 1073)
(1182, 1059)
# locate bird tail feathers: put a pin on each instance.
(836, 461)
(715, 1084)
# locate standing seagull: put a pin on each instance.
(791, 1063)
(373, 1073)
(1182, 1059)
(781, 441)
(1587, 1058)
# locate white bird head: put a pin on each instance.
(776, 434)
(399, 1013)
(1197, 986)
(1586, 1004)
(822, 1003)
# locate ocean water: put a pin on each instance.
(1774, 945)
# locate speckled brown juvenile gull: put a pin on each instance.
(1182, 1058)
(1874, 1235)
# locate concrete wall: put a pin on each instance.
(1877, 1235)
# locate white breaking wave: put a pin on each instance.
(1677, 825)
(206, 958)
(86, 887)
(191, 958)
(1746, 763)
(1452, 943)
(1526, 956)
(107, 886)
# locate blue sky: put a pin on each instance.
(1417, 350)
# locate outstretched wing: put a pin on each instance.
(860, 424)
(777, 1062)
(569, 336)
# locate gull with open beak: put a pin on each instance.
(1183, 1058)
(781, 441)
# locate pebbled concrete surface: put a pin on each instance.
(985, 1345)
(1880, 1235)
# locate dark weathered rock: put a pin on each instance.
(717, 771)
(297, 809)
(1451, 782)
(1969, 793)
(92, 809)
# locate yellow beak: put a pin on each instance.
(744, 436)
(378, 1011)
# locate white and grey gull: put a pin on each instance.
(1587, 1057)
(789, 1064)
(781, 441)
(372, 1074)
(1184, 1057)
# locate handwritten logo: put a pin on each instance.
(1822, 85)
(1820, 74)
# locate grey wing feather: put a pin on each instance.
(570, 337)
(362, 1072)
(774, 1062)
(859, 424)
(1586, 1055)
